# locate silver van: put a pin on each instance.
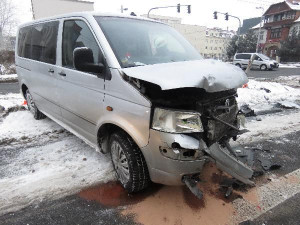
(260, 61)
(136, 89)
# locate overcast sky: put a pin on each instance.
(202, 10)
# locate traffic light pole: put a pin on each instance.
(171, 6)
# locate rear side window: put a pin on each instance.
(24, 42)
(239, 56)
(44, 38)
(38, 42)
(77, 34)
(243, 56)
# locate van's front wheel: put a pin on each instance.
(37, 114)
(129, 162)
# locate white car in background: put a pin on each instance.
(261, 61)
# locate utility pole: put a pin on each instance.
(257, 43)
(261, 18)
(123, 9)
(178, 6)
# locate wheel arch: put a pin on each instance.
(104, 132)
(24, 88)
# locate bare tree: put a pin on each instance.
(7, 19)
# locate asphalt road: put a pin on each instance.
(9, 88)
(274, 73)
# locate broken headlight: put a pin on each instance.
(176, 121)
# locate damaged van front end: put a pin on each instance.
(193, 118)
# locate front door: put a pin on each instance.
(81, 93)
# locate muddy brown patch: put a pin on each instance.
(191, 200)
(112, 194)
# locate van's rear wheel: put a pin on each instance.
(129, 162)
(37, 114)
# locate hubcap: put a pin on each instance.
(120, 162)
(30, 103)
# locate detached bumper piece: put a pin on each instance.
(228, 163)
(191, 183)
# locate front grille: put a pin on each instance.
(224, 109)
(216, 130)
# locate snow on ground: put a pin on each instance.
(60, 167)
(289, 65)
(11, 100)
(264, 95)
(9, 77)
(22, 124)
(270, 126)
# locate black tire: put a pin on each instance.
(138, 171)
(238, 65)
(263, 67)
(37, 114)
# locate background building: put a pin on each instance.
(216, 42)
(279, 18)
(210, 42)
(47, 8)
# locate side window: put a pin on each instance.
(256, 57)
(24, 42)
(77, 34)
(238, 56)
(44, 39)
(247, 56)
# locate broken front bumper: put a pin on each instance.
(171, 156)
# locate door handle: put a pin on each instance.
(51, 70)
(62, 74)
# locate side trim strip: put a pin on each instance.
(23, 68)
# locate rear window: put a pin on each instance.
(38, 42)
(243, 56)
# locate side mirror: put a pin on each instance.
(83, 60)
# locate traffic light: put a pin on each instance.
(189, 9)
(215, 15)
(226, 16)
(178, 8)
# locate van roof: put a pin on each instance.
(85, 15)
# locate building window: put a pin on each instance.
(276, 33)
(205, 47)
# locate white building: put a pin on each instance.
(210, 42)
(47, 8)
(216, 42)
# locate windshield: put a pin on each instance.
(138, 42)
(263, 56)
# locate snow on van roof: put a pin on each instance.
(87, 14)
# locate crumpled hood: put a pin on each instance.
(211, 75)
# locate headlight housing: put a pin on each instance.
(176, 121)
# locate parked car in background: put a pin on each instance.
(261, 61)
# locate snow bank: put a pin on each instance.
(264, 95)
(21, 124)
(9, 77)
(51, 172)
(270, 126)
(53, 169)
(11, 100)
(289, 65)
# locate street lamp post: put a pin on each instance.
(258, 36)
(123, 9)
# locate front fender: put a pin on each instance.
(131, 117)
